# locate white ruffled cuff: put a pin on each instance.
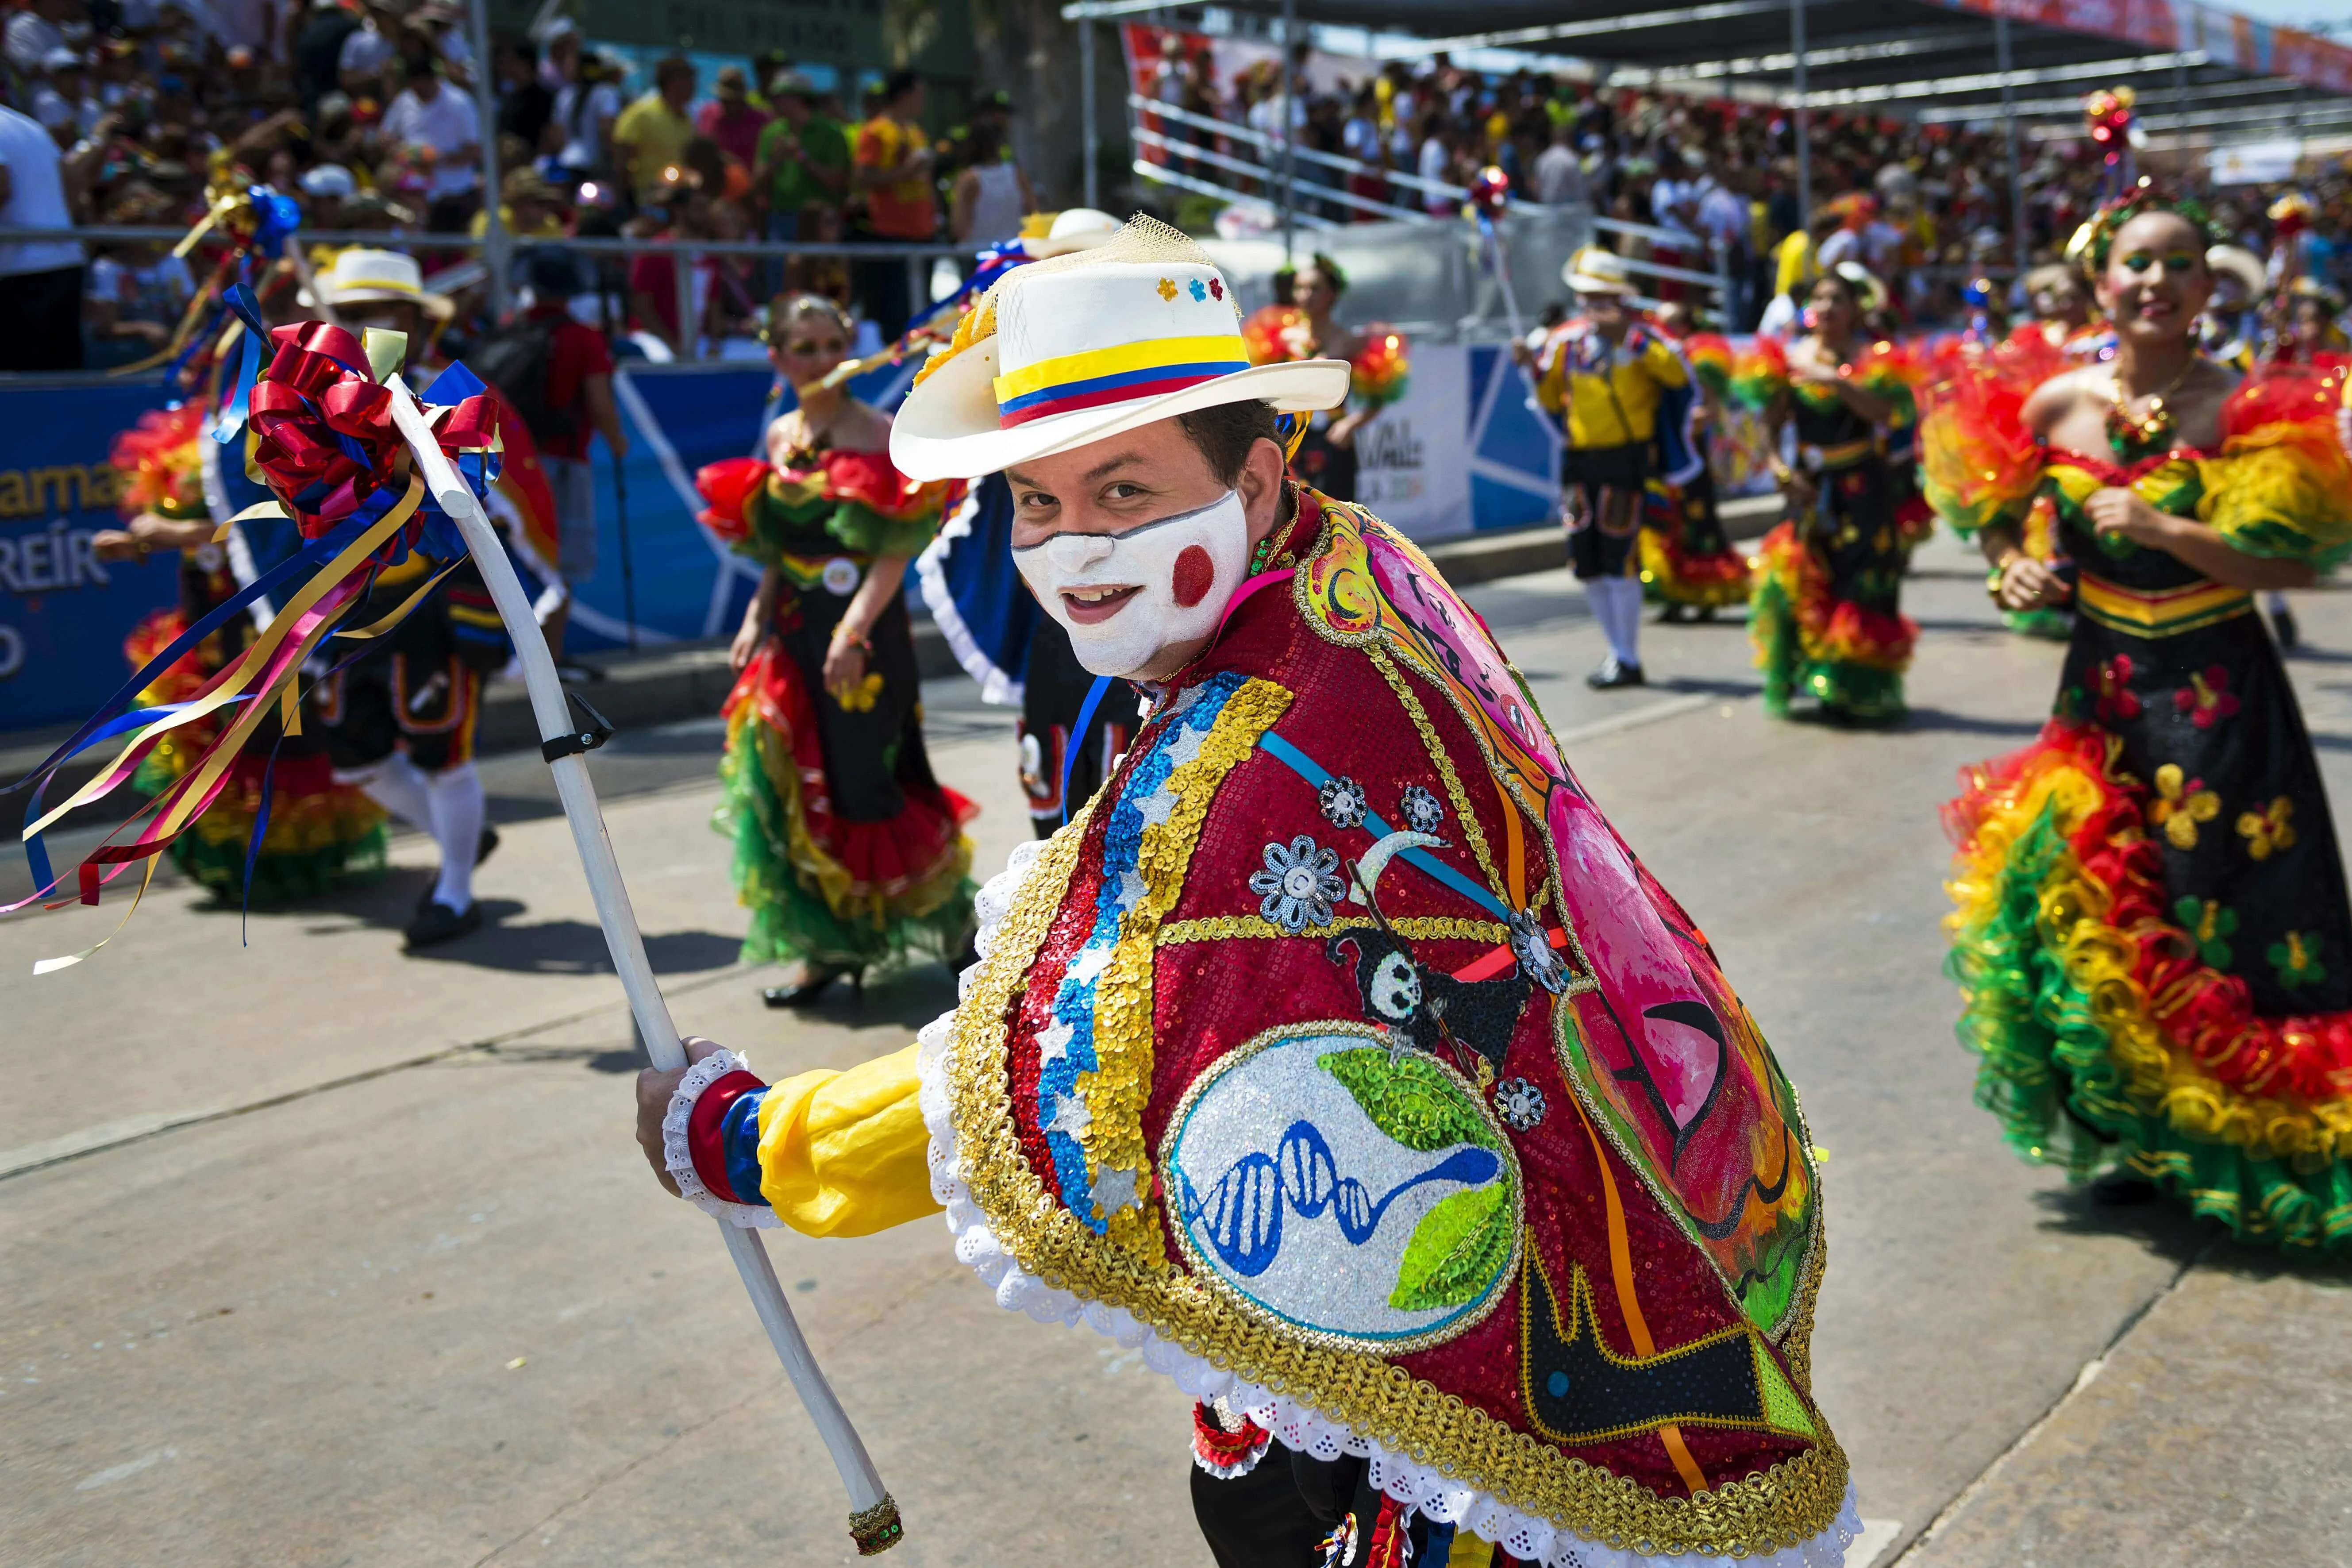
(681, 1159)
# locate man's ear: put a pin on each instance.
(1259, 485)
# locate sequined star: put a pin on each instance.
(1088, 965)
(1156, 808)
(1053, 1042)
(1114, 1191)
(1071, 1116)
(1131, 890)
(1186, 746)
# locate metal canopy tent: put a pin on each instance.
(2197, 69)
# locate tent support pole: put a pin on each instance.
(1089, 138)
(1805, 118)
(1289, 153)
(496, 250)
(2001, 57)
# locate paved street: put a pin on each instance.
(314, 1254)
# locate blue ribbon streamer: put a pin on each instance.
(1317, 775)
(1078, 737)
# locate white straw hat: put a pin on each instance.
(1074, 228)
(1066, 352)
(1593, 270)
(358, 277)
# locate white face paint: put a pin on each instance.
(1179, 572)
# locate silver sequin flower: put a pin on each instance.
(1343, 802)
(1522, 1103)
(1422, 813)
(1300, 881)
(1532, 946)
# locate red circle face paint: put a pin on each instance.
(1195, 574)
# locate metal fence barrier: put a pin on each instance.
(919, 259)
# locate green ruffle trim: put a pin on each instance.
(1847, 691)
(792, 920)
(2053, 626)
(2045, 1070)
(856, 527)
(216, 860)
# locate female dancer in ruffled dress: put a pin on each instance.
(317, 832)
(848, 851)
(1826, 617)
(1300, 326)
(1688, 564)
(2152, 935)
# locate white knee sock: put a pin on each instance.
(455, 797)
(1619, 615)
(397, 784)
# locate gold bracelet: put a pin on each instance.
(842, 633)
(1998, 578)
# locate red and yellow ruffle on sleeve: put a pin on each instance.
(2282, 486)
(160, 464)
(860, 498)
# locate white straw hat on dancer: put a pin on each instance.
(359, 277)
(1593, 270)
(1088, 345)
(1073, 228)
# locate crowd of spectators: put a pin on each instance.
(364, 113)
(1926, 206)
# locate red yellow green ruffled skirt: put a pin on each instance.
(319, 834)
(2104, 1038)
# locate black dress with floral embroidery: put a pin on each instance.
(2179, 674)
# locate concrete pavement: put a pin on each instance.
(396, 1290)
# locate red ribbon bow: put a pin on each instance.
(325, 439)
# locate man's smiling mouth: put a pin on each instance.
(1093, 605)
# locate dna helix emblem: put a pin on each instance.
(1240, 1217)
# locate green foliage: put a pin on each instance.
(1457, 1250)
(1407, 1097)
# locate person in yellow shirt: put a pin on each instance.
(649, 138)
(1601, 375)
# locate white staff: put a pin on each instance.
(874, 1517)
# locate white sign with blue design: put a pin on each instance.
(1344, 1188)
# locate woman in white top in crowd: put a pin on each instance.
(991, 196)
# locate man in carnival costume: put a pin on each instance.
(400, 720)
(1604, 376)
(1067, 745)
(1338, 1053)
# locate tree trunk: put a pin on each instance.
(1028, 52)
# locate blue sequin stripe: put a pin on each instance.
(1317, 776)
(1073, 1002)
(739, 1144)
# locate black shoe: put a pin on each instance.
(1613, 675)
(2283, 628)
(1672, 615)
(437, 922)
(811, 987)
(1707, 612)
(487, 845)
(2122, 1190)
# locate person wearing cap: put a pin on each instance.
(529, 207)
(1601, 375)
(1339, 1057)
(1827, 617)
(325, 188)
(400, 720)
(63, 102)
(849, 852)
(2229, 331)
(801, 160)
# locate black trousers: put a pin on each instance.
(40, 320)
(1276, 1516)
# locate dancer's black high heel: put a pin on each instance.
(811, 987)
